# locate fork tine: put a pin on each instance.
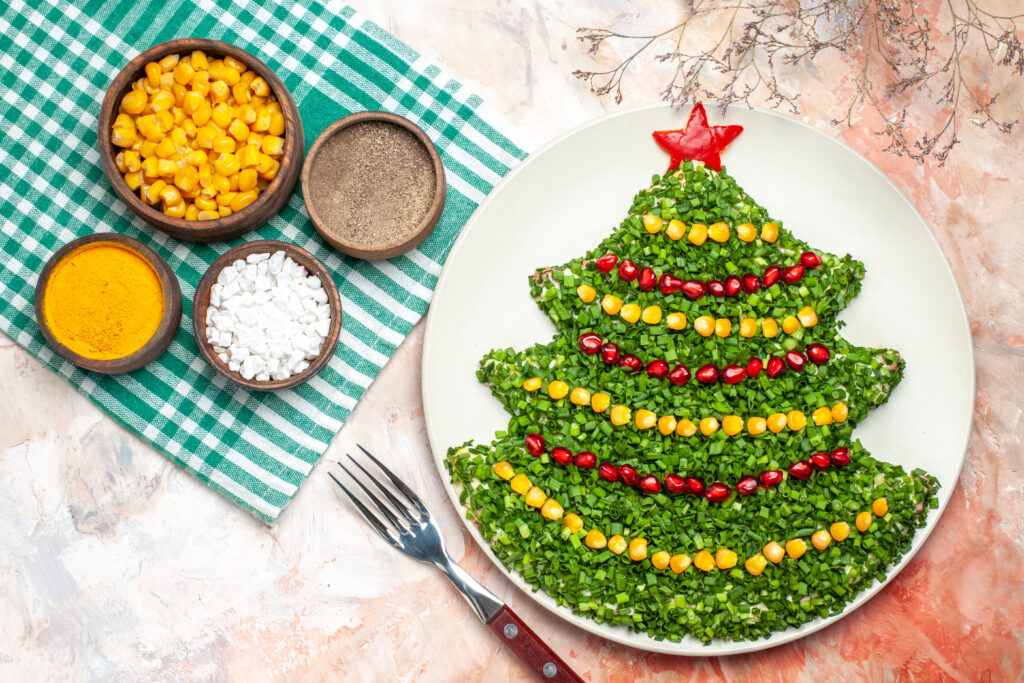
(376, 501)
(373, 521)
(399, 505)
(406, 491)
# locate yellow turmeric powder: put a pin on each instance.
(103, 301)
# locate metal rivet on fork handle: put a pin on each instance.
(511, 631)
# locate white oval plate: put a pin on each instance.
(572, 193)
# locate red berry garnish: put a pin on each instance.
(694, 289)
(658, 369)
(717, 492)
(746, 485)
(628, 475)
(792, 274)
(754, 366)
(841, 456)
(628, 270)
(650, 484)
(535, 444)
(680, 375)
(674, 483)
(630, 363)
(606, 263)
(694, 486)
(608, 471)
(751, 283)
(733, 285)
(731, 374)
(561, 455)
(800, 469)
(775, 367)
(610, 353)
(820, 461)
(590, 343)
(647, 280)
(772, 275)
(707, 374)
(809, 259)
(818, 353)
(716, 288)
(669, 283)
(796, 360)
(770, 478)
(584, 459)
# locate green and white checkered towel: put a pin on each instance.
(56, 61)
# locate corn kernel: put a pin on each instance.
(705, 325)
(234, 63)
(686, 428)
(262, 122)
(227, 164)
(807, 316)
(645, 419)
(161, 101)
(249, 156)
(840, 531)
(666, 425)
(756, 564)
(748, 327)
(123, 137)
(773, 551)
(183, 73)
(246, 114)
(617, 544)
(675, 230)
(268, 171)
(166, 167)
(770, 232)
(732, 424)
(220, 183)
(192, 213)
(206, 204)
(586, 293)
(651, 315)
(675, 321)
(134, 102)
(153, 73)
(719, 232)
(652, 223)
(243, 199)
(638, 549)
(552, 509)
(175, 210)
(660, 559)
(199, 61)
(579, 396)
(880, 507)
(203, 114)
(822, 416)
(205, 136)
(535, 497)
(746, 232)
(863, 521)
(573, 522)
(148, 128)
(150, 167)
(619, 415)
(230, 75)
(166, 149)
(152, 194)
(247, 180)
(273, 145)
(222, 116)
(769, 328)
(166, 80)
(240, 91)
(134, 180)
(238, 130)
(704, 561)
(147, 149)
(630, 313)
(821, 539)
(595, 539)
(224, 144)
(723, 326)
(796, 548)
(504, 470)
(756, 425)
(170, 195)
(708, 426)
(679, 563)
(725, 559)
(796, 420)
(201, 83)
(611, 304)
(698, 234)
(557, 389)
(532, 384)
(840, 412)
(600, 402)
(776, 422)
(169, 62)
(519, 483)
(790, 325)
(260, 87)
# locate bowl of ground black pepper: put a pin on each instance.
(373, 184)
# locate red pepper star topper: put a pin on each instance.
(698, 141)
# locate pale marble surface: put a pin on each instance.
(116, 565)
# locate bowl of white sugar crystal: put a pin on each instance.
(267, 315)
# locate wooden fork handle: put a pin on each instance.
(516, 635)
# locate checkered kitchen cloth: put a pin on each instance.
(56, 61)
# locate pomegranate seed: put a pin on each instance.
(658, 369)
(707, 374)
(792, 274)
(590, 343)
(694, 289)
(776, 366)
(770, 478)
(716, 288)
(746, 485)
(809, 259)
(535, 444)
(800, 469)
(751, 283)
(820, 461)
(694, 486)
(606, 263)
(584, 459)
(628, 475)
(754, 366)
(628, 270)
(841, 456)
(610, 353)
(796, 360)
(680, 375)
(630, 363)
(772, 275)
(733, 285)
(675, 484)
(818, 353)
(731, 374)
(717, 492)
(608, 471)
(650, 484)
(647, 280)
(561, 455)
(669, 284)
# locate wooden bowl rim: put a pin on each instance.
(236, 224)
(165, 331)
(201, 303)
(429, 221)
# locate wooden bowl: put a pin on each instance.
(201, 304)
(358, 249)
(165, 331)
(270, 200)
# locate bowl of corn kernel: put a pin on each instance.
(201, 139)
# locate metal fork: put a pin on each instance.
(406, 523)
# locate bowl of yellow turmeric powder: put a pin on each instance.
(201, 139)
(108, 303)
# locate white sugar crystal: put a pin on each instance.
(268, 317)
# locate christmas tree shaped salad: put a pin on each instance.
(680, 457)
